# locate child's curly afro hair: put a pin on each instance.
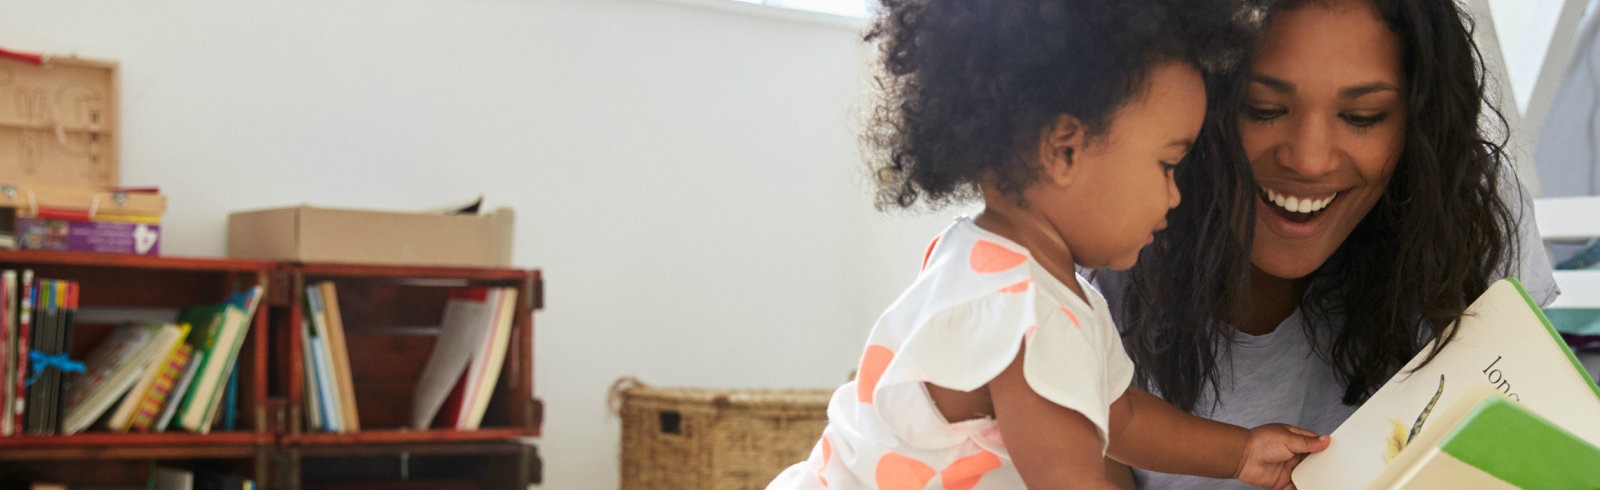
(967, 84)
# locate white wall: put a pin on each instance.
(687, 178)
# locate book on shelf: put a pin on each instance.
(230, 403)
(340, 354)
(1485, 440)
(55, 304)
(24, 315)
(153, 403)
(461, 372)
(122, 416)
(8, 350)
(169, 407)
(1502, 342)
(328, 398)
(311, 391)
(329, 361)
(113, 368)
(225, 328)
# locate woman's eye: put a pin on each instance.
(1258, 113)
(1169, 168)
(1363, 120)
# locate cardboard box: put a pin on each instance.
(308, 234)
(89, 236)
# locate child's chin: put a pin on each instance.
(1121, 263)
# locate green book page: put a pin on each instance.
(207, 321)
(1523, 449)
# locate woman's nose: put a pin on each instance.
(1310, 150)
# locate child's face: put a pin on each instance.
(1121, 184)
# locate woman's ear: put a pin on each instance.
(1060, 147)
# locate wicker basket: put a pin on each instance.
(703, 439)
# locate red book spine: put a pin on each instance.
(450, 414)
(24, 326)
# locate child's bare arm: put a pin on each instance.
(1052, 446)
(1148, 433)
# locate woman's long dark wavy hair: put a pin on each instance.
(966, 87)
(1432, 243)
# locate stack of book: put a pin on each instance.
(36, 328)
(464, 367)
(329, 388)
(141, 377)
(122, 220)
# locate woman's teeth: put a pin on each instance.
(1297, 204)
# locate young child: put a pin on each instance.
(1000, 368)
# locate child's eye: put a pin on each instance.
(1263, 114)
(1169, 168)
(1364, 120)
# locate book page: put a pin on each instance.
(1502, 342)
(463, 330)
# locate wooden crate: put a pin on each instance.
(58, 121)
(691, 438)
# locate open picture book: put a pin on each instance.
(1504, 405)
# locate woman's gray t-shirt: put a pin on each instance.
(1272, 378)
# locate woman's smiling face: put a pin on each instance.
(1323, 126)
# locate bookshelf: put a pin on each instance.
(390, 316)
(113, 285)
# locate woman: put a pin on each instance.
(1350, 207)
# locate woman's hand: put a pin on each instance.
(1273, 450)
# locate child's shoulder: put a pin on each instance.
(971, 262)
(966, 254)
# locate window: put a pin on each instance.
(847, 8)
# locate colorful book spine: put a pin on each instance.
(24, 326)
(180, 388)
(8, 350)
(325, 390)
(166, 381)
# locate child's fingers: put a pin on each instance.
(1300, 431)
(1307, 443)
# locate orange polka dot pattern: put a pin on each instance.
(898, 472)
(965, 472)
(873, 363)
(989, 257)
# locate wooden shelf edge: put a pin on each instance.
(135, 446)
(413, 272)
(92, 439)
(434, 436)
(503, 447)
(91, 259)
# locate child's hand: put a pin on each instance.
(1272, 452)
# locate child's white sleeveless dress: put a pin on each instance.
(979, 298)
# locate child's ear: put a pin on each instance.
(1060, 145)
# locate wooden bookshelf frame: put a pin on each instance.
(522, 415)
(273, 441)
(113, 281)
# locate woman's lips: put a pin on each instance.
(1292, 224)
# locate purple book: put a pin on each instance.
(89, 236)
